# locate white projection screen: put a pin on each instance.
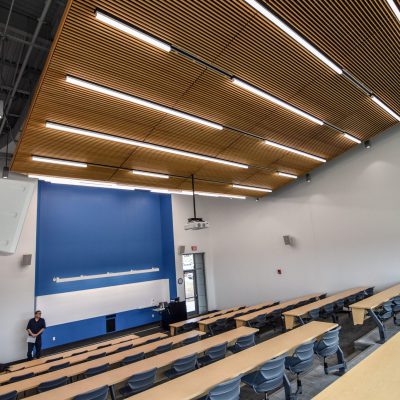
(62, 308)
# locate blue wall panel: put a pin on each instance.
(85, 231)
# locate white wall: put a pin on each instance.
(17, 286)
(346, 224)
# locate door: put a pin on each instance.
(195, 283)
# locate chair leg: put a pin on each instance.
(299, 389)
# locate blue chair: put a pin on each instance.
(243, 342)
(163, 348)
(385, 312)
(134, 358)
(191, 340)
(190, 326)
(79, 353)
(148, 341)
(96, 370)
(9, 396)
(328, 312)
(97, 394)
(124, 348)
(54, 359)
(269, 377)
(229, 390)
(55, 383)
(103, 346)
(312, 315)
(182, 366)
(396, 308)
(96, 356)
(327, 346)
(213, 354)
(360, 296)
(58, 367)
(139, 382)
(369, 292)
(300, 361)
(218, 326)
(258, 322)
(21, 377)
(275, 319)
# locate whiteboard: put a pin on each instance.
(62, 308)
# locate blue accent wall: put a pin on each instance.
(86, 231)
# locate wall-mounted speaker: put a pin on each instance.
(181, 250)
(288, 240)
(26, 260)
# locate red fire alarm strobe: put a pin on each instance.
(279, 271)
(194, 248)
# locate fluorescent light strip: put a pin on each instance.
(286, 175)
(385, 107)
(257, 189)
(152, 174)
(206, 194)
(57, 161)
(290, 149)
(294, 35)
(352, 138)
(115, 23)
(394, 8)
(139, 101)
(137, 143)
(275, 100)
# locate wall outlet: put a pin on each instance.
(152, 315)
(54, 338)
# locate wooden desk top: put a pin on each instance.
(69, 353)
(199, 382)
(209, 321)
(250, 316)
(377, 299)
(298, 312)
(200, 317)
(110, 349)
(375, 377)
(77, 369)
(120, 374)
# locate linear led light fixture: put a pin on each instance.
(385, 107)
(352, 138)
(151, 174)
(294, 35)
(58, 161)
(257, 189)
(291, 150)
(142, 102)
(286, 175)
(124, 27)
(206, 194)
(111, 138)
(275, 100)
(394, 8)
(106, 275)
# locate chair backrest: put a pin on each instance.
(59, 366)
(351, 299)
(96, 356)
(244, 342)
(96, 370)
(97, 394)
(55, 383)
(191, 340)
(9, 396)
(241, 307)
(328, 344)
(79, 353)
(131, 359)
(314, 314)
(142, 381)
(386, 310)
(163, 348)
(370, 291)
(103, 346)
(189, 326)
(54, 359)
(272, 374)
(301, 303)
(328, 308)
(185, 364)
(360, 295)
(229, 390)
(339, 303)
(123, 348)
(302, 358)
(261, 318)
(396, 300)
(149, 341)
(220, 322)
(217, 351)
(21, 377)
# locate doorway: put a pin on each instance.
(195, 283)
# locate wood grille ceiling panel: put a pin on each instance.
(231, 36)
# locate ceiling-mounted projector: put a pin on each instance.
(196, 224)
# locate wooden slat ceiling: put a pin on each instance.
(362, 36)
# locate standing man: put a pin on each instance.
(35, 328)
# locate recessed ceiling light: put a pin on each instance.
(291, 150)
(257, 189)
(111, 138)
(57, 161)
(137, 100)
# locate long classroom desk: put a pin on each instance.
(138, 343)
(78, 369)
(176, 325)
(292, 315)
(244, 320)
(199, 382)
(375, 377)
(121, 374)
(68, 353)
(205, 323)
(366, 307)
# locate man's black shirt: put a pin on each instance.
(36, 326)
